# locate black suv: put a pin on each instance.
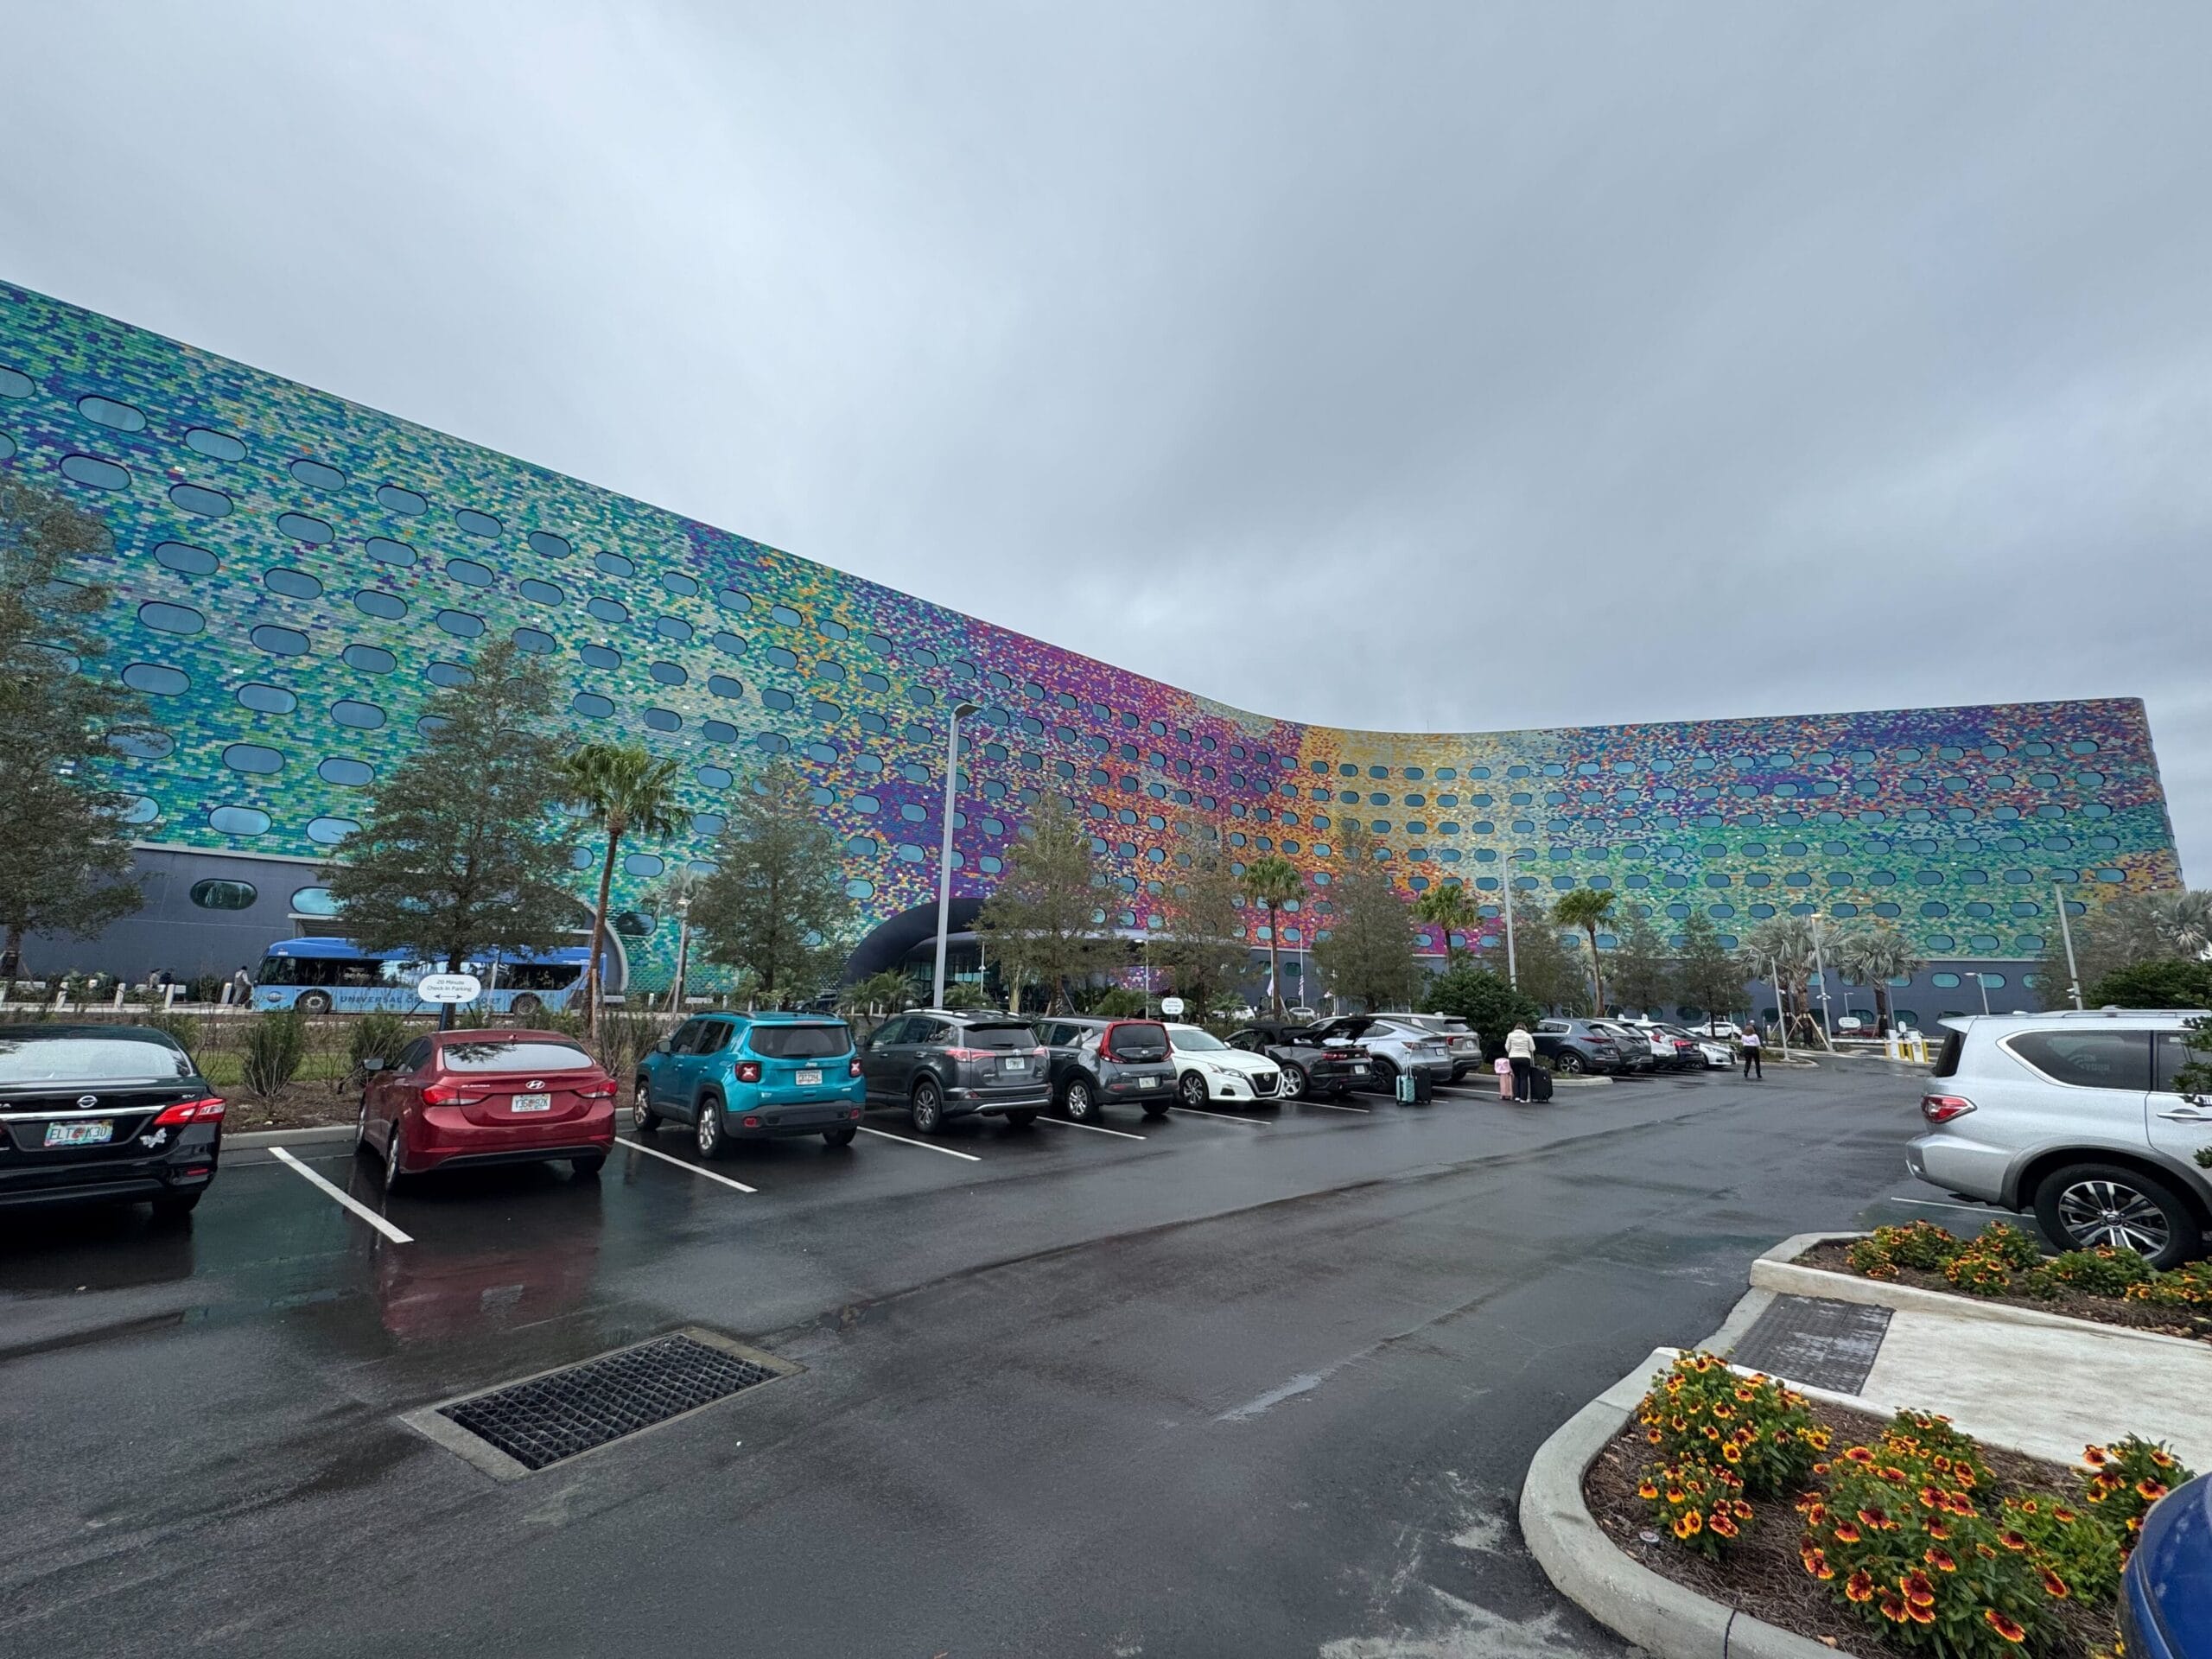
(945, 1063)
(1094, 1061)
(1574, 1045)
(90, 1112)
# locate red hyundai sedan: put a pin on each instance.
(461, 1098)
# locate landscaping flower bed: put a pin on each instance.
(1880, 1538)
(2003, 1264)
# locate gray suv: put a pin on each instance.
(2074, 1115)
(1394, 1043)
(941, 1063)
(1572, 1045)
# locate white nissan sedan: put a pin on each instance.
(1207, 1068)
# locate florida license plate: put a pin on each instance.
(1359, 1071)
(1147, 1083)
(810, 1079)
(96, 1132)
(530, 1103)
(1014, 1063)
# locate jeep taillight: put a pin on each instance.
(190, 1111)
(1941, 1109)
(853, 1066)
(748, 1070)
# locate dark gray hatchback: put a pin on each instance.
(1095, 1062)
(945, 1062)
(113, 1112)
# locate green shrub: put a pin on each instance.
(183, 1028)
(203, 988)
(275, 1043)
(375, 1037)
(1114, 1004)
(2103, 1271)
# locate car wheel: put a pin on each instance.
(313, 1002)
(393, 1173)
(1192, 1089)
(587, 1168)
(839, 1137)
(1020, 1120)
(361, 1127)
(643, 1118)
(2084, 1205)
(1082, 1105)
(526, 1005)
(1292, 1086)
(1386, 1078)
(1154, 1109)
(711, 1138)
(926, 1107)
(173, 1207)
(1571, 1063)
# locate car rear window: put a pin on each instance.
(1006, 1036)
(513, 1057)
(799, 1042)
(47, 1060)
(1140, 1040)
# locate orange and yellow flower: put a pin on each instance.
(2006, 1626)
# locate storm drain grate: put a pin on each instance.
(1810, 1340)
(562, 1414)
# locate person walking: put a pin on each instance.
(1521, 1050)
(241, 988)
(1752, 1044)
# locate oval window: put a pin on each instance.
(387, 551)
(302, 528)
(208, 504)
(548, 546)
(317, 476)
(477, 523)
(328, 832)
(374, 602)
(267, 699)
(252, 757)
(723, 686)
(540, 592)
(172, 619)
(392, 499)
(216, 446)
(591, 705)
(534, 640)
(239, 820)
(608, 610)
(223, 894)
(156, 680)
(123, 417)
(293, 584)
(614, 564)
(465, 624)
(362, 716)
(93, 470)
(634, 924)
(469, 573)
(183, 558)
(370, 659)
(663, 720)
(339, 769)
(314, 901)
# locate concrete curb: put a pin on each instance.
(289, 1137)
(1778, 1270)
(1666, 1619)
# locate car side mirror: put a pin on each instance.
(372, 1063)
(661, 1047)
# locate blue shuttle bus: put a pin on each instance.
(327, 976)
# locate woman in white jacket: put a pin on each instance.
(1521, 1050)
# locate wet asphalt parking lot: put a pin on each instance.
(1212, 1386)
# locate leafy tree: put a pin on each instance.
(1201, 942)
(2163, 982)
(1272, 882)
(2119, 933)
(624, 789)
(1544, 970)
(1642, 977)
(461, 852)
(1368, 952)
(1044, 913)
(1118, 1003)
(1705, 974)
(1589, 909)
(65, 867)
(886, 993)
(964, 995)
(775, 906)
(1449, 908)
(1484, 1001)
(1784, 945)
(1874, 955)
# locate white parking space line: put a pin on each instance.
(1331, 1106)
(1248, 1122)
(355, 1205)
(1937, 1203)
(651, 1151)
(1064, 1123)
(923, 1145)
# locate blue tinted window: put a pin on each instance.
(302, 528)
(14, 384)
(720, 731)
(722, 686)
(362, 716)
(608, 610)
(643, 864)
(668, 674)
(91, 470)
(374, 602)
(733, 599)
(592, 705)
(781, 658)
(877, 682)
(388, 552)
(146, 746)
(679, 584)
(450, 674)
(7, 446)
(614, 563)
(787, 615)
(534, 640)
(834, 671)
(730, 644)
(182, 555)
(238, 821)
(317, 476)
(144, 810)
(328, 832)
(252, 757)
(540, 592)
(600, 655)
(123, 417)
(392, 499)
(713, 777)
(339, 770)
(670, 627)
(293, 584)
(477, 523)
(465, 624)
(267, 699)
(663, 720)
(208, 504)
(172, 619)
(774, 698)
(370, 659)
(280, 642)
(218, 446)
(774, 742)
(547, 546)
(156, 680)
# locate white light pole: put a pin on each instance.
(961, 711)
(1512, 968)
(1982, 984)
(1781, 1005)
(683, 948)
(2073, 973)
(1820, 967)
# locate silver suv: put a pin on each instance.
(1396, 1044)
(2074, 1115)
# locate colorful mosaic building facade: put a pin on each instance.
(295, 573)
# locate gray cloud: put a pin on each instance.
(1420, 366)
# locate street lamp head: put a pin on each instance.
(965, 710)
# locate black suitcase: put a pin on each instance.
(1540, 1083)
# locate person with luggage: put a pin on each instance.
(1752, 1044)
(1520, 1051)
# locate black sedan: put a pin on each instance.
(1328, 1073)
(104, 1112)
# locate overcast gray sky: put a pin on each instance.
(1455, 367)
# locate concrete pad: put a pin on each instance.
(2044, 1391)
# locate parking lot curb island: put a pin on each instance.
(289, 1137)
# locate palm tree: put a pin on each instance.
(2185, 919)
(1272, 882)
(1447, 908)
(1588, 908)
(1875, 955)
(623, 789)
(1786, 942)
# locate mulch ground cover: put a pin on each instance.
(1834, 1257)
(296, 1106)
(1763, 1576)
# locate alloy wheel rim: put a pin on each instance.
(706, 1126)
(925, 1108)
(2107, 1212)
(1193, 1088)
(639, 1111)
(391, 1159)
(1078, 1101)
(1293, 1086)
